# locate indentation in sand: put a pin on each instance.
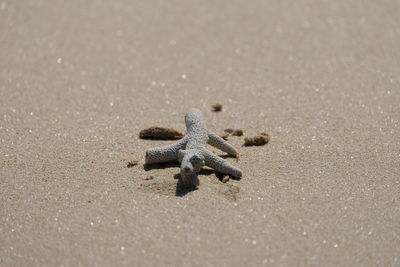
(176, 188)
(167, 188)
(229, 191)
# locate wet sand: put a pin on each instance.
(80, 79)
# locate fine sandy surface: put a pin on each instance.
(80, 79)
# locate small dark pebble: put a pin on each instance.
(222, 177)
(149, 178)
(229, 130)
(225, 179)
(217, 107)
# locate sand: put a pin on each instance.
(80, 79)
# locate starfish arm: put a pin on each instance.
(190, 179)
(165, 153)
(192, 160)
(221, 165)
(216, 141)
(196, 130)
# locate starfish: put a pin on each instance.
(191, 151)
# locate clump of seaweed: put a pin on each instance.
(257, 140)
(160, 133)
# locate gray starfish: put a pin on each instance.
(191, 151)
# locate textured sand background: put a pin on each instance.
(80, 79)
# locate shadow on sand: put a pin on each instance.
(159, 166)
(181, 188)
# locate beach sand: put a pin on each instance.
(80, 79)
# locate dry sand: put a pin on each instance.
(80, 79)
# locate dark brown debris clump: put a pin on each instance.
(257, 140)
(160, 133)
(132, 163)
(229, 131)
(217, 107)
(237, 132)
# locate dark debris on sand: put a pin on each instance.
(257, 140)
(217, 107)
(160, 133)
(132, 163)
